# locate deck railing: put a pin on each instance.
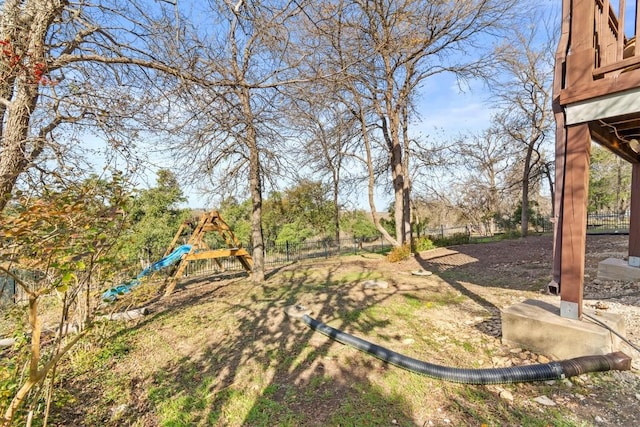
(615, 25)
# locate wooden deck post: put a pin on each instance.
(574, 220)
(554, 286)
(634, 220)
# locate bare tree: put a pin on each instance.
(486, 159)
(524, 94)
(393, 48)
(328, 132)
(72, 68)
(233, 132)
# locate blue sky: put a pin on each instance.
(444, 106)
(445, 110)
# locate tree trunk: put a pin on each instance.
(14, 158)
(256, 216)
(255, 187)
(406, 188)
(524, 215)
(336, 213)
(398, 191)
(20, 85)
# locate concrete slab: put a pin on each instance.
(537, 326)
(617, 269)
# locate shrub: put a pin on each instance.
(399, 253)
(422, 244)
(455, 239)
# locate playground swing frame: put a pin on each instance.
(207, 223)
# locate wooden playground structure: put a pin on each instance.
(596, 97)
(210, 222)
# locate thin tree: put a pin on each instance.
(70, 69)
(486, 159)
(394, 47)
(523, 91)
(328, 132)
(233, 133)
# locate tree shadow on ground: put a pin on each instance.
(223, 353)
(255, 366)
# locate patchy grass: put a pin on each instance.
(224, 354)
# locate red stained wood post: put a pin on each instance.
(554, 286)
(634, 220)
(574, 220)
(590, 66)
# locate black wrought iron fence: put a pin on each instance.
(608, 222)
(278, 254)
(7, 289)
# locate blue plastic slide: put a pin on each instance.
(111, 295)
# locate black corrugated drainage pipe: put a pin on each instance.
(516, 374)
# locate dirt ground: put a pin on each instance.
(485, 271)
(526, 265)
(493, 276)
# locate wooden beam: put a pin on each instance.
(592, 89)
(561, 142)
(559, 82)
(606, 137)
(216, 253)
(574, 220)
(634, 220)
(616, 66)
(173, 243)
(581, 58)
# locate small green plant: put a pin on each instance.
(399, 253)
(455, 239)
(423, 244)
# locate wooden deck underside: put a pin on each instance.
(596, 98)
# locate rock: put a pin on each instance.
(408, 341)
(638, 396)
(7, 342)
(421, 273)
(506, 395)
(375, 284)
(515, 350)
(598, 419)
(544, 400)
(136, 313)
(543, 359)
(296, 311)
(119, 411)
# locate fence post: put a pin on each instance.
(442, 231)
(286, 244)
(326, 249)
